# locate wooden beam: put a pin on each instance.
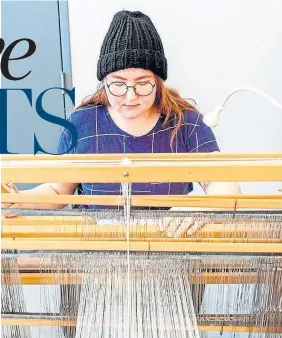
(33, 264)
(145, 246)
(249, 329)
(72, 322)
(151, 171)
(77, 226)
(54, 278)
(55, 233)
(142, 156)
(46, 220)
(229, 202)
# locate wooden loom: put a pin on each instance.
(80, 233)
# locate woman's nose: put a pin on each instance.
(130, 95)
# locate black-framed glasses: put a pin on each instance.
(119, 88)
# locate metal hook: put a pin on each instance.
(221, 330)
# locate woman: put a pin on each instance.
(134, 112)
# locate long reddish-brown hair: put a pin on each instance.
(168, 101)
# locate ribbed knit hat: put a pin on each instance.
(132, 41)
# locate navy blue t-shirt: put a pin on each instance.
(98, 134)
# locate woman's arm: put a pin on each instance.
(214, 188)
(42, 189)
(221, 188)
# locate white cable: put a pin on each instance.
(211, 119)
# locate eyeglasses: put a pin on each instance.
(141, 88)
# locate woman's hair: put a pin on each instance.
(168, 101)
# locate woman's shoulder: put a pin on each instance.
(193, 123)
(192, 116)
(85, 114)
(83, 119)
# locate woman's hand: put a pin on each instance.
(42, 189)
(12, 189)
(9, 187)
(178, 226)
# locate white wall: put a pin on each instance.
(212, 47)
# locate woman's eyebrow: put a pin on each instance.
(137, 78)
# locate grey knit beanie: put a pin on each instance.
(132, 41)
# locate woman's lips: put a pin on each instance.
(131, 106)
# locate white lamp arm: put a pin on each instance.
(211, 119)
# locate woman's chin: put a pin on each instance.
(130, 115)
(130, 112)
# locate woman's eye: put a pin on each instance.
(119, 84)
(143, 83)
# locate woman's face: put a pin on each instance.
(131, 105)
